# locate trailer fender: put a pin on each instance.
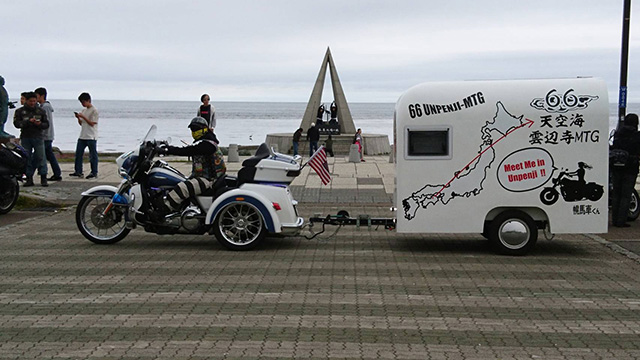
(537, 214)
(271, 220)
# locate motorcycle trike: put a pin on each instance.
(240, 211)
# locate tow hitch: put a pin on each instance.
(342, 218)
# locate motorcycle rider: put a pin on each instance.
(206, 164)
(624, 177)
(579, 173)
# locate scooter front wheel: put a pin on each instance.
(549, 196)
(634, 206)
(99, 228)
(9, 196)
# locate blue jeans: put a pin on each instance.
(51, 158)
(93, 155)
(295, 148)
(35, 154)
(313, 146)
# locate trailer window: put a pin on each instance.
(428, 142)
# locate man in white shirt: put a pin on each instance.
(88, 120)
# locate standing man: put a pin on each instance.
(88, 120)
(313, 135)
(296, 140)
(32, 120)
(624, 177)
(207, 111)
(4, 108)
(41, 96)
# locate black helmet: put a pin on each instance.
(198, 123)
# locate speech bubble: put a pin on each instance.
(526, 169)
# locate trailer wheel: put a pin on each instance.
(513, 232)
(239, 226)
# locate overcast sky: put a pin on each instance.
(272, 50)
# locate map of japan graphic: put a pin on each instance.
(469, 180)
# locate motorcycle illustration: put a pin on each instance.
(13, 160)
(239, 211)
(572, 190)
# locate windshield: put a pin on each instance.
(151, 134)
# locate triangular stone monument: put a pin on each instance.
(345, 120)
(374, 144)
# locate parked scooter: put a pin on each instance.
(572, 190)
(240, 211)
(13, 160)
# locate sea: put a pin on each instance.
(124, 122)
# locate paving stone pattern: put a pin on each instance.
(359, 294)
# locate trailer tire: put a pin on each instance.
(513, 232)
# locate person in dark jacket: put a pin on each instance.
(296, 141)
(4, 108)
(206, 164)
(624, 177)
(32, 120)
(313, 135)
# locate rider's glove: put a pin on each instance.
(163, 149)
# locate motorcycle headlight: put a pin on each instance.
(129, 163)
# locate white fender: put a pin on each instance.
(101, 190)
(263, 204)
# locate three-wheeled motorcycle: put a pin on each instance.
(240, 211)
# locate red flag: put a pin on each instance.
(318, 162)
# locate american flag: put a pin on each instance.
(318, 162)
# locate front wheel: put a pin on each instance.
(513, 232)
(549, 196)
(99, 228)
(239, 226)
(9, 196)
(634, 206)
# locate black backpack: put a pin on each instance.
(618, 158)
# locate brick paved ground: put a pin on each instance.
(359, 294)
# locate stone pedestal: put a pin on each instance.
(233, 155)
(354, 154)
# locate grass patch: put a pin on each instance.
(28, 202)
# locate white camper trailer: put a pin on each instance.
(503, 158)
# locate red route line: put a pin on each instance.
(528, 122)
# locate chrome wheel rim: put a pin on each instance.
(98, 226)
(514, 234)
(240, 223)
(633, 205)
